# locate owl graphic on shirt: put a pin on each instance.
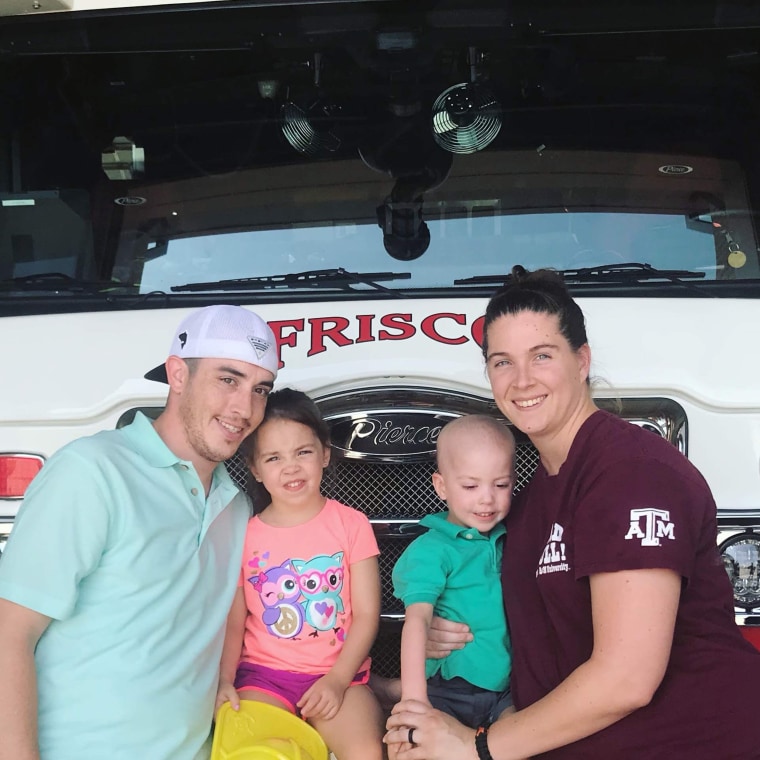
(279, 592)
(320, 580)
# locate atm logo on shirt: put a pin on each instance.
(650, 525)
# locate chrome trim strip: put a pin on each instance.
(396, 528)
(392, 617)
(737, 520)
(5, 530)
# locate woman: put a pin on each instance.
(619, 608)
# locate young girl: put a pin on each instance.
(307, 608)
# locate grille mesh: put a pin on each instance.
(383, 491)
(389, 491)
(390, 550)
(385, 652)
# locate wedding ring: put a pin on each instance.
(410, 736)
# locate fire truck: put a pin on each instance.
(364, 175)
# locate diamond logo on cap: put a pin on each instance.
(260, 346)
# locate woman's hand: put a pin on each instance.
(435, 735)
(444, 637)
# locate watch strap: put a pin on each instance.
(481, 743)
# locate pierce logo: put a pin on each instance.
(675, 169)
(130, 200)
(398, 434)
(650, 526)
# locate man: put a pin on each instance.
(122, 564)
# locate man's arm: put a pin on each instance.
(20, 630)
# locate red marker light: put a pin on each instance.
(16, 473)
(752, 634)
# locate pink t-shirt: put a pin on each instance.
(297, 586)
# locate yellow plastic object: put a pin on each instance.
(259, 731)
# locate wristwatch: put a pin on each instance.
(481, 743)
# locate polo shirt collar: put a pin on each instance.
(440, 523)
(149, 443)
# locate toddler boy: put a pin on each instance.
(453, 570)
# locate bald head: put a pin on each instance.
(475, 476)
(473, 431)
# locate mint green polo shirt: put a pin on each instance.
(118, 544)
(458, 571)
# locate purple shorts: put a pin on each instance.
(286, 686)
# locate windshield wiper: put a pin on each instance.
(605, 273)
(317, 278)
(57, 281)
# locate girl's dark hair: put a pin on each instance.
(284, 404)
(542, 291)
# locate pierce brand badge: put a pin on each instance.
(675, 169)
(130, 200)
(387, 434)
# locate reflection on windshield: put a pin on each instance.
(461, 247)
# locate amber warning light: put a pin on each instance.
(16, 473)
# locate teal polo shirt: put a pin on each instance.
(458, 571)
(118, 544)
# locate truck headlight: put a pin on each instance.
(741, 558)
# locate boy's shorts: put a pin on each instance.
(469, 704)
(286, 686)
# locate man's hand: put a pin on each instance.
(445, 636)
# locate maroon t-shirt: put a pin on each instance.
(626, 499)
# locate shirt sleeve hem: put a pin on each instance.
(33, 601)
(418, 598)
(585, 571)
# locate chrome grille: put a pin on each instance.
(383, 491)
(389, 490)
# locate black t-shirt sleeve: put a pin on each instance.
(638, 514)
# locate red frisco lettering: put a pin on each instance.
(286, 340)
(365, 328)
(429, 327)
(477, 330)
(394, 326)
(320, 331)
(400, 322)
